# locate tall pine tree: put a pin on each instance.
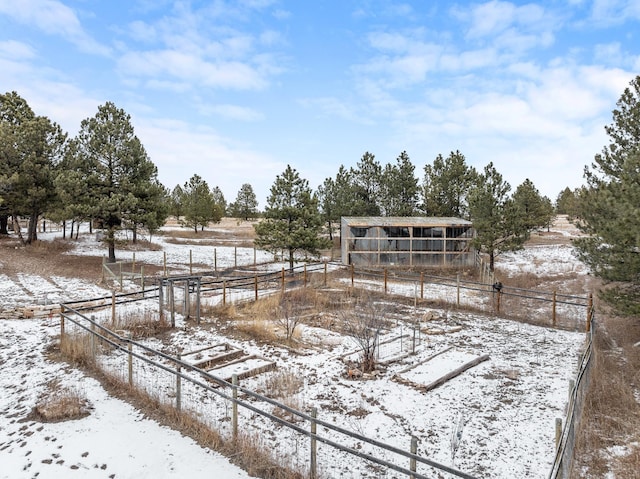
(114, 180)
(292, 222)
(609, 206)
(494, 215)
(446, 186)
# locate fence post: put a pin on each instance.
(161, 299)
(133, 263)
(130, 359)
(353, 273)
(304, 276)
(142, 279)
(179, 384)
(234, 407)
(458, 290)
(385, 281)
(93, 336)
(421, 284)
(325, 273)
(255, 262)
(498, 294)
(164, 262)
(215, 261)
(255, 284)
(198, 280)
(190, 261)
(313, 463)
(414, 450)
(104, 265)
(553, 310)
(61, 327)
(120, 265)
(589, 311)
(185, 300)
(113, 307)
(172, 304)
(235, 257)
(558, 432)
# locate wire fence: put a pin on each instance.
(225, 406)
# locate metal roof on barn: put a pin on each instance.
(404, 221)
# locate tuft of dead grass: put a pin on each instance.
(59, 404)
(141, 324)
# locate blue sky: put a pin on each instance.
(236, 90)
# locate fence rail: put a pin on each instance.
(455, 292)
(229, 391)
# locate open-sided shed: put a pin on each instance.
(407, 241)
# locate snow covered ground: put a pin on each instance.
(504, 408)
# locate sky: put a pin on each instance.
(234, 91)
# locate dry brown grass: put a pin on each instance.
(61, 404)
(141, 324)
(611, 415)
(78, 349)
(247, 451)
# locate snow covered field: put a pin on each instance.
(504, 408)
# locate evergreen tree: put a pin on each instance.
(109, 163)
(535, 210)
(32, 147)
(220, 208)
(246, 204)
(399, 191)
(495, 216)
(198, 204)
(328, 205)
(446, 186)
(565, 202)
(609, 206)
(175, 202)
(292, 222)
(367, 178)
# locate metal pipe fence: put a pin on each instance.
(203, 392)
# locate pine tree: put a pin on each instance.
(246, 204)
(566, 202)
(175, 202)
(535, 210)
(119, 182)
(32, 147)
(367, 177)
(609, 206)
(292, 221)
(446, 186)
(198, 204)
(399, 191)
(220, 204)
(495, 216)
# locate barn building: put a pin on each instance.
(405, 241)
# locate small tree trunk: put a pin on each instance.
(291, 260)
(111, 242)
(16, 228)
(4, 223)
(32, 229)
(64, 229)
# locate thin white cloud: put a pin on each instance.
(188, 67)
(54, 18)
(181, 150)
(201, 47)
(610, 12)
(232, 112)
(14, 50)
